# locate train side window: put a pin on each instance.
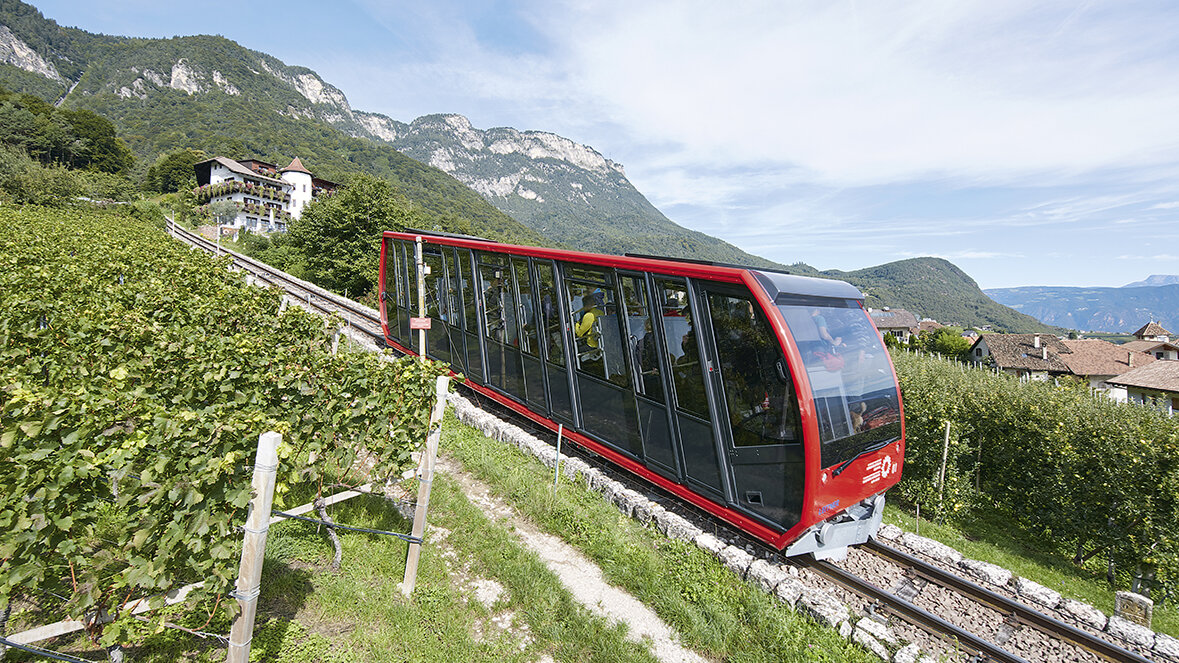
(640, 337)
(396, 247)
(411, 280)
(528, 341)
(470, 305)
(596, 329)
(553, 338)
(435, 289)
(454, 304)
(497, 305)
(763, 409)
(679, 333)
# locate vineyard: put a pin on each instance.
(1099, 478)
(136, 377)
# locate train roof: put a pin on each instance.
(775, 283)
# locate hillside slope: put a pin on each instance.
(938, 289)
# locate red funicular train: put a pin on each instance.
(763, 398)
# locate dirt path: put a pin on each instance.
(581, 576)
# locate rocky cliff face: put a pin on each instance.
(17, 53)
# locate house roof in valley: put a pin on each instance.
(1158, 376)
(929, 325)
(1152, 328)
(1097, 357)
(1020, 351)
(895, 318)
(1149, 346)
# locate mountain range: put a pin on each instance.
(533, 187)
(1122, 309)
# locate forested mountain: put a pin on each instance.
(1122, 309)
(938, 289)
(211, 94)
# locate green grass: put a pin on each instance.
(990, 537)
(308, 614)
(713, 612)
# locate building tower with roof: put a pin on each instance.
(302, 186)
(266, 198)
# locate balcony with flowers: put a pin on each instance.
(210, 191)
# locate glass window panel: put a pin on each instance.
(528, 342)
(498, 305)
(762, 405)
(454, 312)
(553, 336)
(396, 249)
(435, 287)
(470, 304)
(850, 374)
(644, 347)
(411, 280)
(596, 326)
(679, 332)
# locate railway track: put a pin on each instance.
(995, 628)
(365, 320)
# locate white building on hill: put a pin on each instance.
(266, 197)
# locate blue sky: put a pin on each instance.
(1029, 143)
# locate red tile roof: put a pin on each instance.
(1159, 376)
(297, 166)
(1019, 351)
(1152, 329)
(896, 318)
(1097, 357)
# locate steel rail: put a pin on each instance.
(1003, 604)
(923, 619)
(306, 291)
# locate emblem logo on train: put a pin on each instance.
(881, 468)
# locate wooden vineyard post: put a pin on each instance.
(425, 479)
(941, 476)
(254, 548)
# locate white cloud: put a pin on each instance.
(879, 92)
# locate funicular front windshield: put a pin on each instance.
(850, 375)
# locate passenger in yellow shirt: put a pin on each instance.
(591, 309)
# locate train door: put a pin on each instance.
(756, 405)
(602, 370)
(401, 301)
(463, 274)
(438, 336)
(689, 396)
(411, 294)
(500, 328)
(647, 371)
(534, 391)
(552, 340)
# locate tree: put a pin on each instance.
(946, 341)
(174, 171)
(223, 212)
(340, 234)
(96, 145)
